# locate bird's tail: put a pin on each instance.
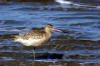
(13, 37)
(10, 36)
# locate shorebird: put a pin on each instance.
(37, 37)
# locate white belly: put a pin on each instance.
(30, 42)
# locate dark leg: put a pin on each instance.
(34, 53)
(33, 63)
(22, 56)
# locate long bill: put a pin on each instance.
(57, 30)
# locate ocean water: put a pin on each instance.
(79, 45)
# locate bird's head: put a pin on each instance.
(50, 27)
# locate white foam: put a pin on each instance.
(64, 2)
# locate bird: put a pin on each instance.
(37, 37)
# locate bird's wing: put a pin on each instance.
(33, 35)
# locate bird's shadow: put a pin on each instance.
(48, 56)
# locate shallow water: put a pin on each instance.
(78, 46)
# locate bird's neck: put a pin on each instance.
(48, 32)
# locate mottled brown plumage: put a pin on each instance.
(37, 37)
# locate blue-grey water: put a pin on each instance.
(78, 46)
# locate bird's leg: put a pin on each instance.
(34, 53)
(22, 56)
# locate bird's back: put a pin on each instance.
(34, 38)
